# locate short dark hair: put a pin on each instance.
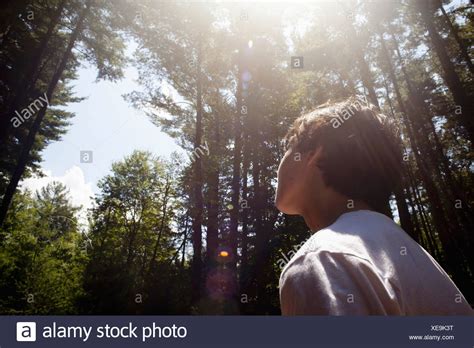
(361, 149)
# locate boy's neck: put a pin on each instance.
(323, 214)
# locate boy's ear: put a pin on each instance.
(314, 156)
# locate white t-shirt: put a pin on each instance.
(365, 264)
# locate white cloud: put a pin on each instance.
(80, 192)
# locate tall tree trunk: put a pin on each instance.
(428, 231)
(244, 242)
(185, 239)
(257, 207)
(235, 199)
(197, 188)
(258, 204)
(454, 31)
(450, 76)
(212, 235)
(400, 196)
(35, 127)
(417, 230)
(164, 209)
(364, 68)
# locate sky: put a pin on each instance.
(105, 124)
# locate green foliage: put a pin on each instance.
(132, 259)
(41, 260)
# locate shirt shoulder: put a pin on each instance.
(334, 283)
(367, 235)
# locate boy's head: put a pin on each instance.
(339, 152)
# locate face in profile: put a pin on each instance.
(298, 181)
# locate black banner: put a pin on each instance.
(229, 331)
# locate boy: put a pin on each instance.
(342, 164)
